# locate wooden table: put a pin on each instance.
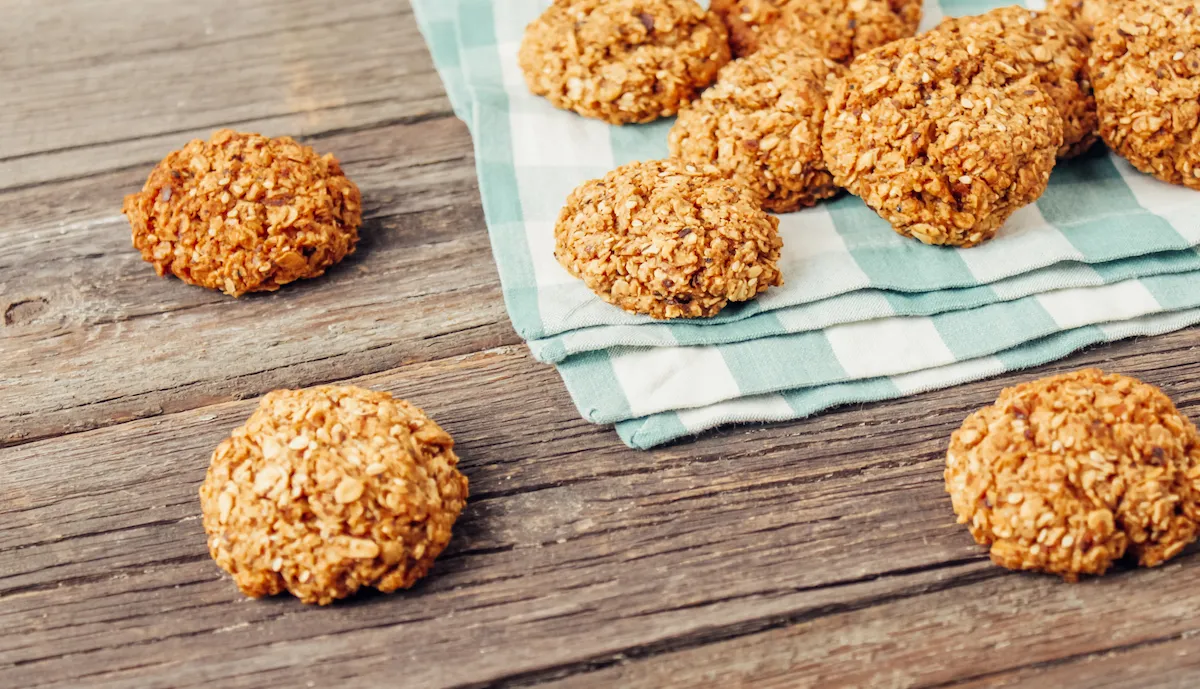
(816, 553)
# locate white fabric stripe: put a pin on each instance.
(532, 129)
(879, 348)
(1065, 274)
(929, 379)
(1149, 325)
(1175, 204)
(759, 408)
(814, 256)
(932, 15)
(1025, 234)
(1072, 308)
(867, 305)
(510, 69)
(546, 268)
(669, 378)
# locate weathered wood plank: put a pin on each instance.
(81, 308)
(568, 533)
(96, 86)
(1134, 628)
(821, 551)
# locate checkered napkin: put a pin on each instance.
(865, 314)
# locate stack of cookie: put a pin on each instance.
(666, 189)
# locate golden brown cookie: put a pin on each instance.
(761, 124)
(623, 61)
(668, 239)
(1067, 474)
(839, 29)
(1085, 14)
(244, 213)
(329, 489)
(1055, 50)
(1145, 66)
(942, 135)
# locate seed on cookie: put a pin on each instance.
(1068, 474)
(329, 489)
(1145, 66)
(839, 29)
(668, 240)
(1055, 50)
(623, 61)
(243, 213)
(1085, 14)
(761, 124)
(942, 135)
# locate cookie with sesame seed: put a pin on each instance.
(668, 240)
(244, 213)
(329, 489)
(761, 124)
(1071, 473)
(1145, 66)
(942, 135)
(838, 29)
(623, 61)
(1055, 50)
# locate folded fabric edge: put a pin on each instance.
(438, 27)
(857, 306)
(656, 380)
(652, 431)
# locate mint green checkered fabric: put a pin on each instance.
(1104, 245)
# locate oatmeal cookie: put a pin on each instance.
(942, 135)
(1067, 474)
(761, 124)
(1145, 65)
(1057, 52)
(623, 61)
(668, 239)
(329, 489)
(243, 213)
(1085, 14)
(839, 29)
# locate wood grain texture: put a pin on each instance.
(816, 553)
(96, 85)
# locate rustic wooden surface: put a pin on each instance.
(817, 553)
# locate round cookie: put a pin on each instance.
(668, 240)
(942, 136)
(1067, 474)
(761, 124)
(329, 489)
(1145, 66)
(839, 29)
(1055, 50)
(1085, 14)
(243, 213)
(623, 61)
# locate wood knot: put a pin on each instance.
(24, 312)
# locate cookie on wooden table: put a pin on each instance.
(329, 489)
(668, 240)
(1068, 474)
(839, 29)
(1145, 66)
(1057, 52)
(623, 61)
(243, 213)
(943, 136)
(761, 124)
(1085, 14)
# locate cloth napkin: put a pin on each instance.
(853, 286)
